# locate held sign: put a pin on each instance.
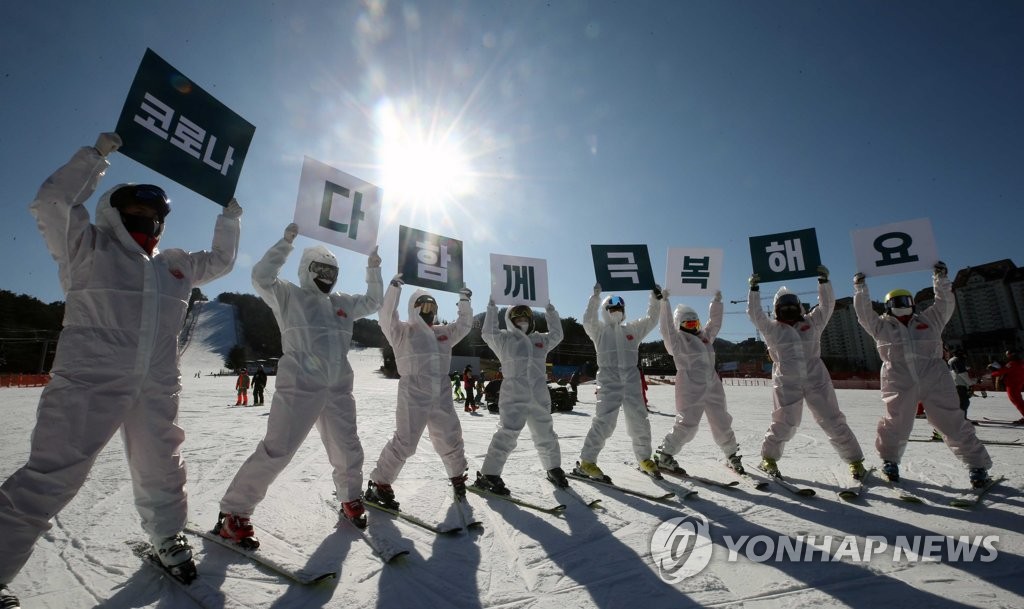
(335, 207)
(517, 280)
(783, 256)
(693, 271)
(177, 129)
(622, 268)
(901, 247)
(429, 260)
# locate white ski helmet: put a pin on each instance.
(686, 319)
(787, 306)
(318, 269)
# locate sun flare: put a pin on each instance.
(421, 168)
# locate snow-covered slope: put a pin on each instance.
(586, 558)
(211, 332)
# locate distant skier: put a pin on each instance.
(242, 388)
(643, 387)
(524, 397)
(314, 381)
(259, 383)
(469, 383)
(423, 351)
(799, 375)
(116, 367)
(617, 343)
(961, 379)
(456, 379)
(1013, 380)
(698, 387)
(910, 345)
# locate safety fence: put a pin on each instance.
(24, 380)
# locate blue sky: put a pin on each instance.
(675, 124)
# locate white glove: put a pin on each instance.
(718, 296)
(233, 209)
(290, 232)
(858, 278)
(374, 260)
(940, 269)
(465, 294)
(550, 308)
(754, 282)
(107, 143)
(597, 289)
(397, 281)
(822, 273)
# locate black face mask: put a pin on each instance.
(150, 227)
(789, 313)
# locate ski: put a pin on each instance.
(1016, 442)
(628, 491)
(423, 524)
(973, 496)
(900, 492)
(800, 491)
(751, 479)
(270, 554)
(203, 594)
(682, 473)
(469, 521)
(852, 490)
(1003, 422)
(556, 510)
(382, 547)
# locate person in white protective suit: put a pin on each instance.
(799, 375)
(116, 366)
(698, 387)
(423, 353)
(618, 350)
(314, 382)
(910, 345)
(524, 398)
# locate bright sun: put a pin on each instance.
(421, 168)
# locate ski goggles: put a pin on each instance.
(145, 194)
(901, 302)
(426, 305)
(327, 272)
(690, 324)
(616, 303)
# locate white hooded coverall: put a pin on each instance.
(698, 388)
(913, 371)
(798, 374)
(618, 378)
(314, 379)
(423, 354)
(524, 398)
(116, 365)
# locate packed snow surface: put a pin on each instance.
(524, 558)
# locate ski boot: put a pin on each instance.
(381, 494)
(557, 477)
(176, 556)
(491, 484)
(650, 468)
(979, 477)
(891, 470)
(590, 470)
(666, 461)
(7, 598)
(735, 463)
(771, 467)
(237, 529)
(354, 512)
(857, 469)
(459, 486)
